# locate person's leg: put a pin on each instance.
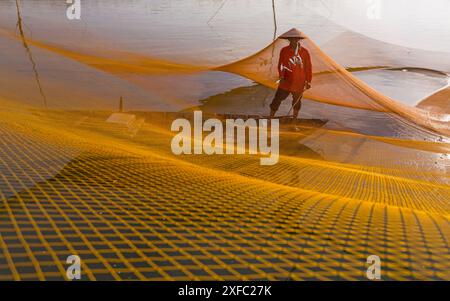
(296, 103)
(280, 95)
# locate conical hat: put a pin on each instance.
(293, 33)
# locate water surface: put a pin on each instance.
(208, 33)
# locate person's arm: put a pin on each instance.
(280, 64)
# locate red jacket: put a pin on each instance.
(294, 68)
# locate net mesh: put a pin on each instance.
(335, 85)
(114, 194)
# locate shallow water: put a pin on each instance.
(237, 27)
(407, 87)
(366, 182)
(206, 33)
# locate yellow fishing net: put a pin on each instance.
(372, 181)
(335, 85)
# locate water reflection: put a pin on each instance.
(188, 31)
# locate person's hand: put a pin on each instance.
(307, 86)
(281, 80)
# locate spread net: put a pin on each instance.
(372, 181)
(333, 84)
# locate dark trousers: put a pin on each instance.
(281, 95)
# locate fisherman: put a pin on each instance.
(295, 71)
